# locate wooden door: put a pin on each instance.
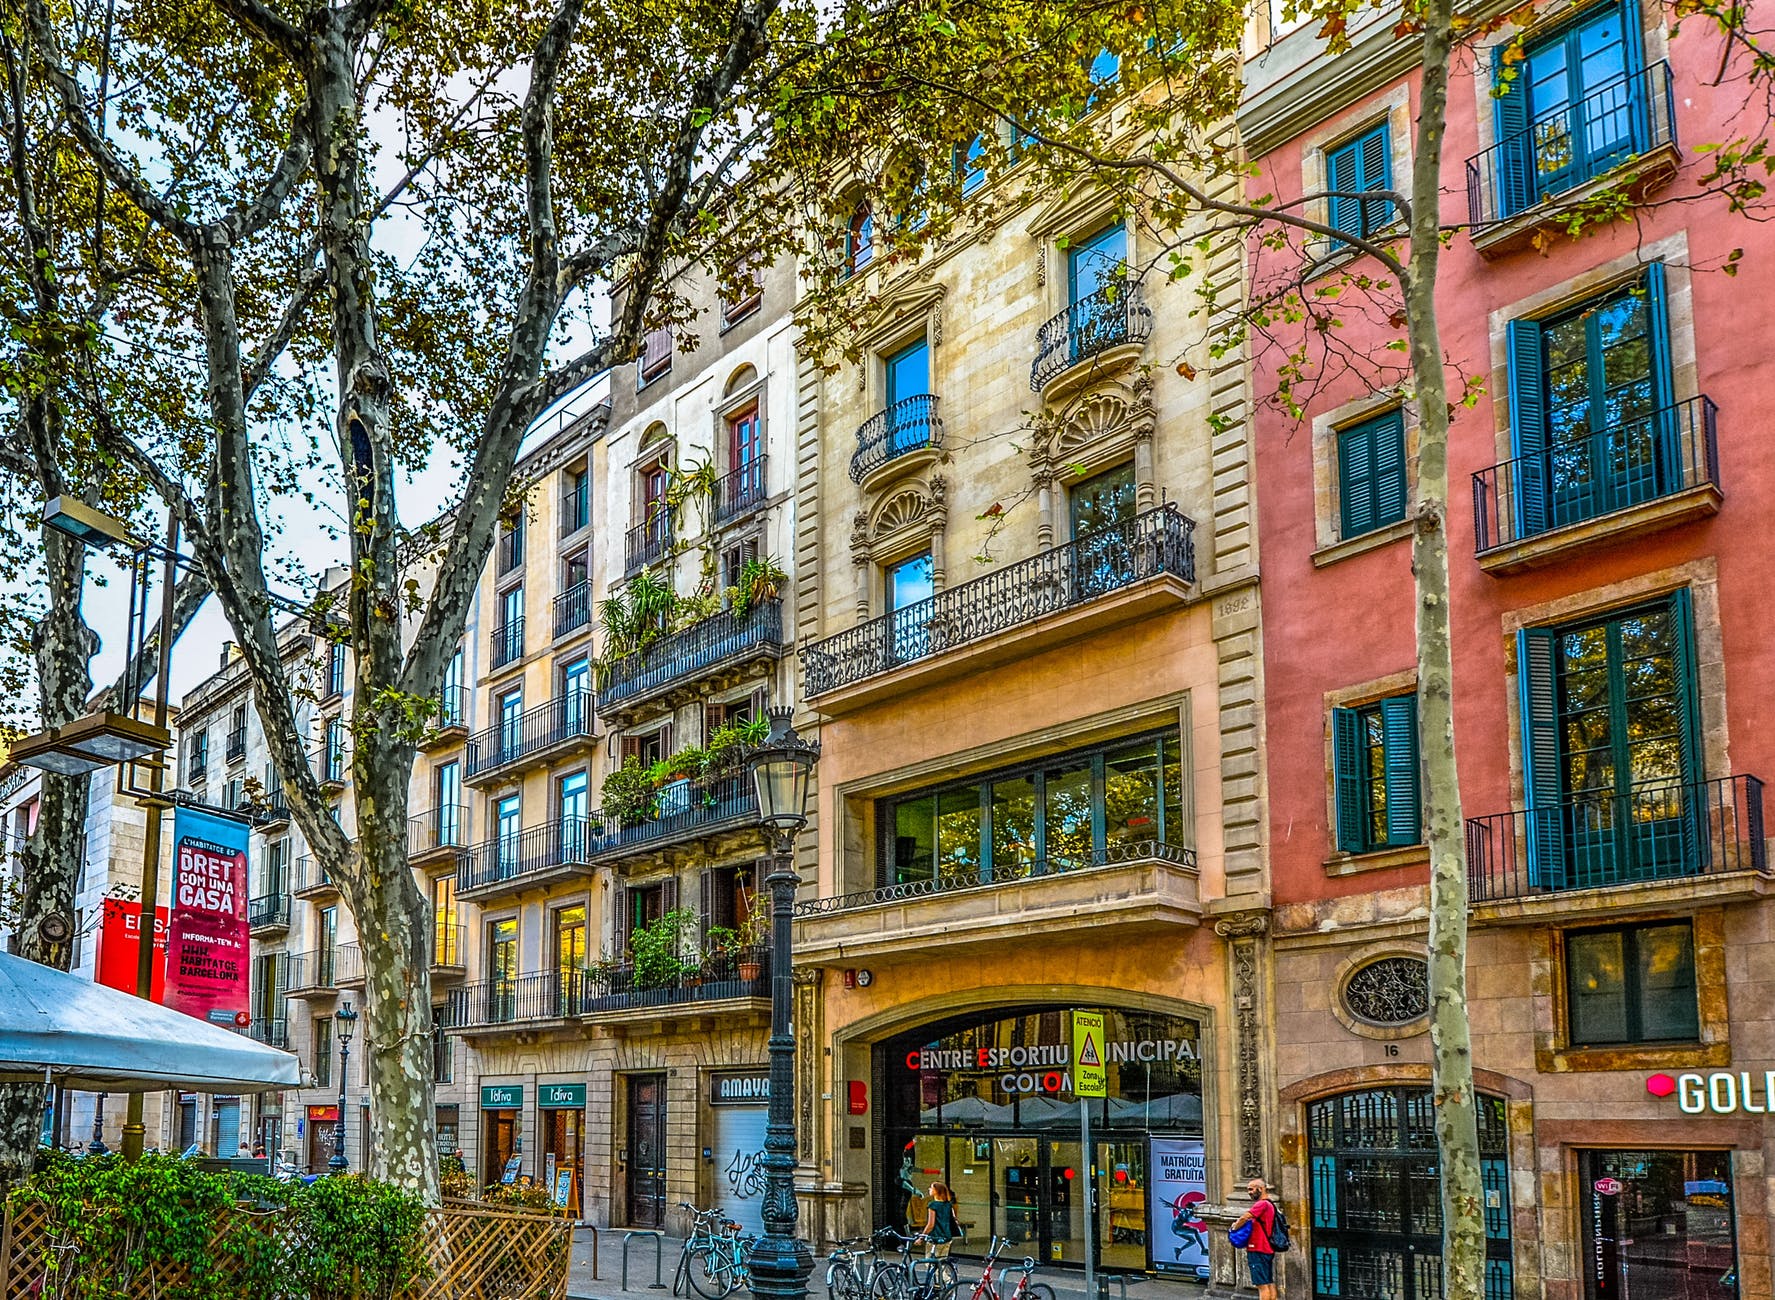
(647, 1151)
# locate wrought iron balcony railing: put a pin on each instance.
(564, 995)
(953, 882)
(565, 842)
(444, 827)
(562, 719)
(1621, 119)
(740, 490)
(679, 810)
(274, 808)
(237, 744)
(1608, 838)
(448, 946)
(648, 542)
(1160, 541)
(1657, 455)
(315, 971)
(1114, 315)
(348, 970)
(573, 608)
(309, 875)
(910, 424)
(269, 911)
(508, 642)
(272, 1031)
(698, 650)
(450, 708)
(196, 768)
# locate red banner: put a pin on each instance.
(120, 946)
(207, 948)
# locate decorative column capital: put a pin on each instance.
(1243, 925)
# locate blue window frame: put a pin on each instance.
(1374, 756)
(1355, 167)
(1592, 418)
(1574, 107)
(970, 164)
(336, 669)
(1371, 474)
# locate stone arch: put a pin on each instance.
(656, 434)
(902, 521)
(740, 379)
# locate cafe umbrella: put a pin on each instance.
(61, 1029)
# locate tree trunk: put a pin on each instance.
(394, 934)
(1457, 1131)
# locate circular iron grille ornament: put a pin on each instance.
(1391, 991)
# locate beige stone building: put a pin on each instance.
(1026, 606)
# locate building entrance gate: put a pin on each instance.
(1376, 1195)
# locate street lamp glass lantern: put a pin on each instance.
(782, 772)
(84, 523)
(347, 1019)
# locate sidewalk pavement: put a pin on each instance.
(1068, 1283)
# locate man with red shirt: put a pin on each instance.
(1260, 1254)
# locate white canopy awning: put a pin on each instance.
(74, 1032)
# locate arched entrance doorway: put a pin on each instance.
(1375, 1190)
(983, 1101)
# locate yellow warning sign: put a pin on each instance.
(1089, 1079)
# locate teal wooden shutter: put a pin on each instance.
(1355, 480)
(1340, 174)
(1399, 724)
(1346, 772)
(1528, 426)
(1377, 174)
(1667, 423)
(1537, 651)
(1388, 450)
(1513, 172)
(1695, 803)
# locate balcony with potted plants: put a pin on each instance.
(659, 645)
(666, 969)
(697, 793)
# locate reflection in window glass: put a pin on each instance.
(915, 839)
(1666, 1234)
(1013, 826)
(1177, 827)
(1131, 794)
(1069, 815)
(958, 833)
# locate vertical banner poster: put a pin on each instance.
(120, 943)
(207, 955)
(1179, 1185)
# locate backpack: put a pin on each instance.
(1281, 1236)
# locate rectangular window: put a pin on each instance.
(576, 501)
(508, 815)
(1612, 749)
(199, 762)
(450, 701)
(970, 164)
(502, 970)
(336, 669)
(446, 943)
(646, 747)
(334, 754)
(1574, 106)
(237, 733)
(449, 814)
(656, 354)
(322, 1062)
(1360, 165)
(508, 637)
(1593, 423)
(1371, 474)
(741, 299)
(1631, 984)
(1375, 770)
(441, 1059)
(1074, 810)
(1658, 1224)
(511, 542)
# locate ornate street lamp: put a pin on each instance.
(782, 771)
(347, 1021)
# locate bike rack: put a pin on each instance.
(1104, 1279)
(593, 1229)
(658, 1237)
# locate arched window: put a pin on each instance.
(744, 377)
(859, 242)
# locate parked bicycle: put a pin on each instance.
(852, 1266)
(987, 1287)
(713, 1261)
(908, 1278)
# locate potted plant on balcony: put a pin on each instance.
(754, 934)
(760, 579)
(720, 946)
(660, 948)
(629, 792)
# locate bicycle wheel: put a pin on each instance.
(944, 1276)
(891, 1282)
(711, 1273)
(681, 1274)
(1039, 1291)
(842, 1282)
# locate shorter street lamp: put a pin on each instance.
(97, 1146)
(347, 1021)
(782, 771)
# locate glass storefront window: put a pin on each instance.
(1658, 1225)
(984, 1103)
(1072, 811)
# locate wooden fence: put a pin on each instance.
(474, 1254)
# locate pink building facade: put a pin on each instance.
(1613, 676)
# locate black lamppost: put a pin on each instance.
(782, 771)
(97, 1146)
(347, 1020)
